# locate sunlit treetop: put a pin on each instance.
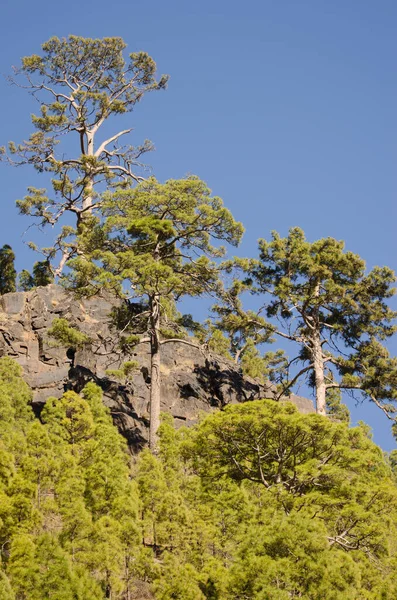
(80, 83)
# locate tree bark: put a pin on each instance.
(87, 200)
(155, 380)
(319, 377)
(318, 358)
(89, 187)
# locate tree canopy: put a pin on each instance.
(159, 241)
(256, 501)
(8, 273)
(319, 297)
(41, 276)
(80, 84)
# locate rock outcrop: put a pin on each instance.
(192, 381)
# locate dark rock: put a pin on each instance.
(13, 303)
(192, 381)
(304, 405)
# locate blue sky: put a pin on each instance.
(287, 109)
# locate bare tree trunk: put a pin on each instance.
(155, 362)
(87, 198)
(318, 358)
(89, 187)
(319, 377)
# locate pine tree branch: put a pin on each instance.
(289, 384)
(110, 140)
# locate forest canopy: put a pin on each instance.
(257, 501)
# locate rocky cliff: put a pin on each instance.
(192, 381)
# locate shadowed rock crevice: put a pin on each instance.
(192, 382)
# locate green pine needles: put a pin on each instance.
(157, 244)
(256, 501)
(331, 313)
(8, 273)
(81, 84)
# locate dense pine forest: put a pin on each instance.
(256, 501)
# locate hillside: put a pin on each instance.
(192, 380)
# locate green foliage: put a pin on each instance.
(239, 334)
(272, 444)
(69, 418)
(336, 303)
(275, 505)
(67, 335)
(41, 276)
(80, 84)
(6, 591)
(153, 234)
(42, 569)
(68, 509)
(319, 298)
(15, 395)
(125, 372)
(25, 281)
(318, 493)
(256, 501)
(335, 408)
(160, 240)
(8, 273)
(263, 366)
(219, 343)
(130, 316)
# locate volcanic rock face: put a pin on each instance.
(192, 381)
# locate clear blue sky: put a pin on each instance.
(287, 109)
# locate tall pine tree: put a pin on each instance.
(80, 84)
(8, 273)
(320, 298)
(159, 238)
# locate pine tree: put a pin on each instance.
(255, 501)
(6, 591)
(97, 501)
(70, 419)
(41, 276)
(40, 465)
(320, 298)
(41, 569)
(158, 238)
(81, 84)
(244, 333)
(15, 395)
(8, 273)
(317, 492)
(23, 568)
(25, 281)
